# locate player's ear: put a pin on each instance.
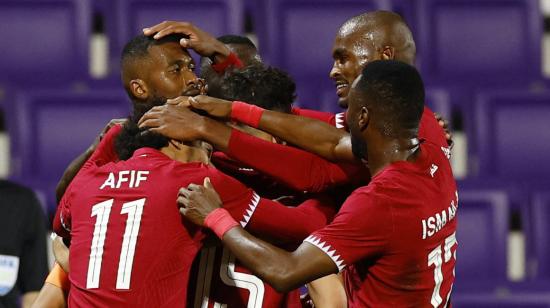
(139, 89)
(388, 53)
(364, 118)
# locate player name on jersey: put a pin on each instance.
(434, 223)
(132, 178)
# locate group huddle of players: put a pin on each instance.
(217, 192)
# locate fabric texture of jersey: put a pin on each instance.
(129, 244)
(396, 234)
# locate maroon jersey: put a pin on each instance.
(395, 237)
(129, 246)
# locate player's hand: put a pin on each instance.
(200, 41)
(445, 125)
(197, 201)
(215, 107)
(173, 121)
(60, 252)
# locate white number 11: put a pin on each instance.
(102, 210)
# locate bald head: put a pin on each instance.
(383, 29)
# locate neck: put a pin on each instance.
(185, 153)
(386, 150)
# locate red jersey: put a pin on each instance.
(128, 243)
(395, 237)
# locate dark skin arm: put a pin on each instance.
(200, 41)
(180, 123)
(314, 136)
(282, 269)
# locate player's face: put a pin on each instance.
(358, 143)
(172, 72)
(351, 52)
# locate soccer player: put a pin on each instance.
(394, 239)
(152, 70)
(370, 36)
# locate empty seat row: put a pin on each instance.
(460, 43)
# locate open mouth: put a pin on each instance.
(341, 87)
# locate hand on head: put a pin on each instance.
(200, 41)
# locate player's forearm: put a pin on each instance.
(274, 265)
(71, 172)
(312, 135)
(303, 171)
(215, 133)
(283, 224)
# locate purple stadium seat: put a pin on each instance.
(539, 267)
(214, 16)
(510, 137)
(516, 300)
(439, 101)
(45, 41)
(482, 234)
(465, 40)
(48, 129)
(299, 36)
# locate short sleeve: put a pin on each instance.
(62, 218)
(360, 230)
(105, 151)
(237, 199)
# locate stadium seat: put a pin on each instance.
(516, 300)
(509, 138)
(50, 128)
(463, 40)
(539, 267)
(298, 38)
(438, 100)
(483, 218)
(45, 41)
(217, 17)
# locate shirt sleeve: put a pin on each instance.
(286, 225)
(337, 120)
(360, 230)
(33, 266)
(429, 129)
(270, 219)
(302, 171)
(105, 151)
(62, 218)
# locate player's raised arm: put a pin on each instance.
(313, 135)
(283, 270)
(200, 41)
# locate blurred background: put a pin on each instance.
(485, 64)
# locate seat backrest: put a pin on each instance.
(299, 37)
(45, 41)
(540, 221)
(479, 41)
(481, 234)
(217, 17)
(510, 136)
(54, 127)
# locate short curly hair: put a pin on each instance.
(266, 87)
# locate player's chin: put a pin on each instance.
(343, 102)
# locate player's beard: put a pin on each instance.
(358, 147)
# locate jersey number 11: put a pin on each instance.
(102, 210)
